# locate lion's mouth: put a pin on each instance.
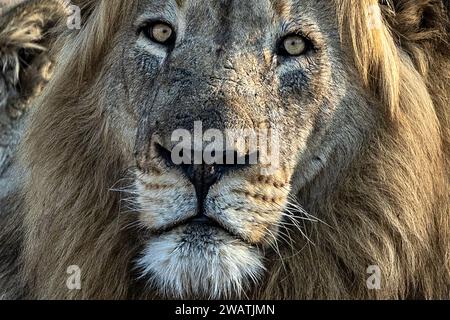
(198, 222)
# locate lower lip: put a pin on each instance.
(207, 223)
(192, 222)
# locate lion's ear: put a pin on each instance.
(26, 33)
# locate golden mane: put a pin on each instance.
(391, 210)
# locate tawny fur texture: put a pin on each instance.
(390, 207)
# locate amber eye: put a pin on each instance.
(160, 32)
(294, 45)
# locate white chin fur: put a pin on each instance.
(209, 264)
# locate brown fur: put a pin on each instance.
(391, 209)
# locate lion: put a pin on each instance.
(358, 208)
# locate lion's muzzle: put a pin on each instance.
(202, 177)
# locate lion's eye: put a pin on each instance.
(160, 32)
(294, 45)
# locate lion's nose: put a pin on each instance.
(203, 176)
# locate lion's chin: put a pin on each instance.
(200, 261)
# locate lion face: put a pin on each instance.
(226, 66)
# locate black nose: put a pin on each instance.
(204, 176)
